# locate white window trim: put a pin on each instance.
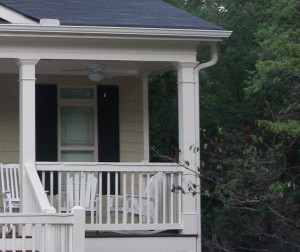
(77, 103)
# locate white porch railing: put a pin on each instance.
(128, 197)
(43, 232)
(42, 229)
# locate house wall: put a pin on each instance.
(9, 119)
(130, 105)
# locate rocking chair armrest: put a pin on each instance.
(114, 196)
(7, 194)
(62, 198)
(128, 196)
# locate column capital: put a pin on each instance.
(27, 62)
(27, 70)
(180, 65)
(186, 73)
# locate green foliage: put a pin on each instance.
(290, 127)
(247, 190)
(273, 87)
(163, 113)
(258, 186)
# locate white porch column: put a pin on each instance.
(27, 122)
(146, 118)
(187, 137)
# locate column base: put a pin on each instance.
(190, 223)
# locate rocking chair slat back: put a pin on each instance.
(10, 182)
(84, 186)
(10, 179)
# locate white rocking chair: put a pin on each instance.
(10, 187)
(81, 191)
(10, 182)
(134, 206)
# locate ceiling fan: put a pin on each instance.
(97, 72)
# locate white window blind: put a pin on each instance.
(77, 126)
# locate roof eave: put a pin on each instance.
(97, 31)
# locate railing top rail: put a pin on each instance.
(108, 167)
(109, 163)
(38, 189)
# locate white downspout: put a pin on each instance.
(198, 68)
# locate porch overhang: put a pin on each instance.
(104, 43)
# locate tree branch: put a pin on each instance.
(282, 217)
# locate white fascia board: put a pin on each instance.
(122, 32)
(13, 16)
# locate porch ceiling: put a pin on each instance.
(78, 67)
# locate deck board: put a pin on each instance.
(96, 234)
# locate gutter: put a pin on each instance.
(198, 68)
(97, 31)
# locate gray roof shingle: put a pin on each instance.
(111, 13)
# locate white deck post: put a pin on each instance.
(27, 123)
(187, 138)
(146, 118)
(79, 229)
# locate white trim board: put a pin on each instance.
(141, 244)
(146, 119)
(14, 17)
(115, 32)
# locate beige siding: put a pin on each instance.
(131, 114)
(9, 119)
(131, 122)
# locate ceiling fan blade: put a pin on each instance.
(107, 75)
(74, 70)
(121, 72)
